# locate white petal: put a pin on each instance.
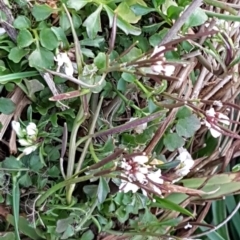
(125, 166)
(183, 171)
(141, 178)
(188, 226)
(169, 70)
(157, 190)
(30, 149)
(215, 133)
(157, 50)
(223, 119)
(143, 170)
(68, 70)
(140, 159)
(31, 129)
(127, 187)
(207, 124)
(17, 128)
(211, 112)
(157, 67)
(24, 142)
(156, 177)
(140, 128)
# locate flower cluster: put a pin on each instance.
(160, 66)
(27, 136)
(139, 175)
(64, 61)
(186, 163)
(212, 119)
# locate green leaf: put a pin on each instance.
(41, 57)
(15, 76)
(124, 10)
(100, 60)
(88, 235)
(7, 106)
(25, 180)
(173, 141)
(121, 23)
(93, 23)
(186, 127)
(166, 204)
(33, 86)
(103, 190)
(128, 77)
(48, 39)
(58, 31)
(16, 54)
(76, 4)
(197, 18)
(184, 112)
(41, 12)
(157, 3)
(24, 227)
(8, 236)
(131, 55)
(141, 10)
(21, 22)
(173, 12)
(24, 38)
(11, 163)
(64, 22)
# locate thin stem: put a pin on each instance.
(181, 20)
(72, 145)
(219, 225)
(84, 152)
(221, 5)
(79, 57)
(223, 16)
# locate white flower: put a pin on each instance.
(157, 50)
(186, 162)
(169, 69)
(156, 176)
(128, 186)
(27, 136)
(17, 128)
(136, 171)
(140, 128)
(188, 226)
(212, 119)
(30, 149)
(64, 61)
(141, 159)
(32, 129)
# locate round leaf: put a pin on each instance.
(21, 22)
(48, 39)
(24, 38)
(187, 127)
(41, 12)
(100, 61)
(42, 58)
(173, 141)
(6, 106)
(16, 54)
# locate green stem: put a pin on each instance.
(87, 216)
(65, 183)
(72, 145)
(223, 16)
(84, 152)
(15, 202)
(221, 5)
(79, 57)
